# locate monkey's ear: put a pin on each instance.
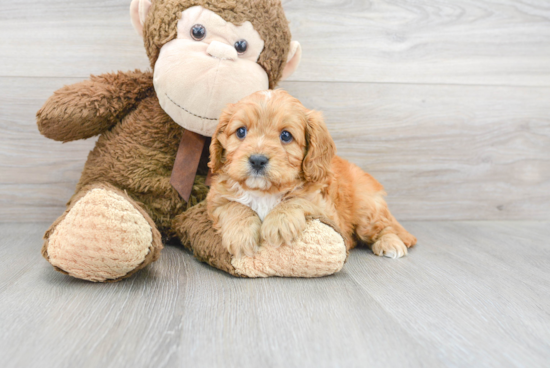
(138, 13)
(293, 59)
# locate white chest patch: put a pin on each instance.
(259, 202)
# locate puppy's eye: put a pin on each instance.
(198, 32)
(241, 46)
(241, 132)
(286, 137)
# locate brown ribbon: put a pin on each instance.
(187, 162)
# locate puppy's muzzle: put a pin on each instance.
(258, 163)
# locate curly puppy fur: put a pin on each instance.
(302, 177)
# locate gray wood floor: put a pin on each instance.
(472, 294)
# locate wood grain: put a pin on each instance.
(442, 152)
(68, 38)
(425, 41)
(471, 294)
(37, 175)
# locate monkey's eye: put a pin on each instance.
(198, 32)
(241, 46)
(286, 137)
(241, 132)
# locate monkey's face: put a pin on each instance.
(209, 64)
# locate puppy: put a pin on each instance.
(274, 163)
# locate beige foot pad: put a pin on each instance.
(319, 251)
(102, 237)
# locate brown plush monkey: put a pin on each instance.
(204, 54)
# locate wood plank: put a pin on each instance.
(466, 283)
(470, 294)
(424, 41)
(442, 152)
(463, 42)
(68, 38)
(37, 175)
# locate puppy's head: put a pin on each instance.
(270, 141)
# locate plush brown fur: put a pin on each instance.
(305, 172)
(195, 231)
(138, 141)
(135, 153)
(89, 108)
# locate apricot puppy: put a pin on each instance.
(275, 163)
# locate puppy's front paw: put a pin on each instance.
(389, 245)
(243, 239)
(281, 228)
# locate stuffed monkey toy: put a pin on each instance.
(145, 179)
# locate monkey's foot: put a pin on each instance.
(103, 236)
(318, 251)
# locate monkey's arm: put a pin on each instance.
(89, 108)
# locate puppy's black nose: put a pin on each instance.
(258, 162)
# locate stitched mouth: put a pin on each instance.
(187, 111)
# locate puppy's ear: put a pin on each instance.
(216, 147)
(320, 148)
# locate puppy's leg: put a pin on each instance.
(377, 226)
(239, 227)
(408, 239)
(287, 221)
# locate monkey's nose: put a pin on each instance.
(222, 51)
(258, 162)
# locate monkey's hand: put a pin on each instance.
(89, 108)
